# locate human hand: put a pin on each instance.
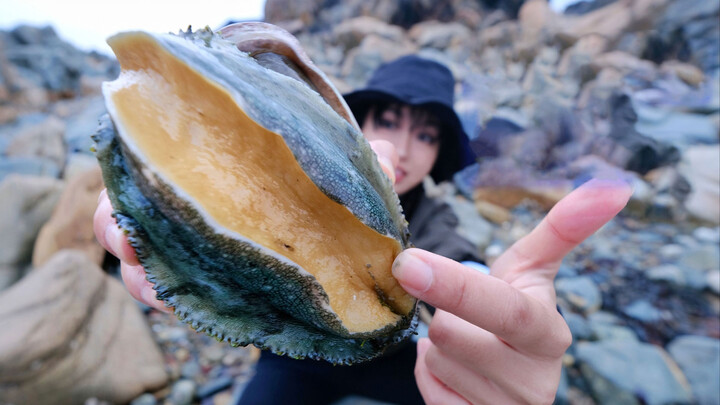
(114, 240)
(498, 338)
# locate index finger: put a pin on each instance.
(481, 299)
(534, 260)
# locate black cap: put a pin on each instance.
(421, 82)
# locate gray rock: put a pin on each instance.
(31, 166)
(667, 272)
(69, 332)
(183, 392)
(713, 280)
(579, 326)
(9, 274)
(703, 258)
(701, 167)
(26, 203)
(707, 235)
(42, 140)
(643, 311)
(83, 124)
(144, 399)
(581, 292)
(621, 372)
(699, 359)
(671, 251)
(607, 326)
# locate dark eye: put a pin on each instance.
(386, 123)
(428, 138)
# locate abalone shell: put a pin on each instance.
(258, 211)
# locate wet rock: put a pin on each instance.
(71, 225)
(26, 203)
(53, 324)
(699, 359)
(631, 372)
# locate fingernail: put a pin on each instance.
(102, 194)
(414, 274)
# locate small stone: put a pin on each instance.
(630, 372)
(702, 258)
(144, 399)
(699, 359)
(713, 280)
(579, 326)
(183, 392)
(643, 311)
(671, 251)
(213, 354)
(707, 235)
(214, 386)
(182, 354)
(667, 272)
(190, 369)
(581, 292)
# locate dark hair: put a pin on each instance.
(421, 84)
(446, 163)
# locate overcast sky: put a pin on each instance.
(87, 23)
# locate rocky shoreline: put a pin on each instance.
(550, 101)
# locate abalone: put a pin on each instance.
(255, 205)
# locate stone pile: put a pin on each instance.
(624, 89)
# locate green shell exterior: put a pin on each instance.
(229, 287)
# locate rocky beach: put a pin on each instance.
(623, 89)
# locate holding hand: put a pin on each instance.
(498, 338)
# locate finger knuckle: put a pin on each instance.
(541, 395)
(517, 318)
(440, 330)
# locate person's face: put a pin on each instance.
(417, 143)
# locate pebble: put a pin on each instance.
(699, 359)
(667, 272)
(618, 370)
(183, 392)
(713, 280)
(214, 386)
(144, 399)
(643, 311)
(707, 235)
(581, 292)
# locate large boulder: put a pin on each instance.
(69, 332)
(26, 203)
(71, 225)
